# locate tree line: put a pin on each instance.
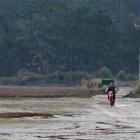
(45, 36)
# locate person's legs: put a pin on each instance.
(114, 97)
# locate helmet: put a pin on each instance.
(111, 84)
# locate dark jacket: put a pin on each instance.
(110, 88)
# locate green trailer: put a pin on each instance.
(107, 81)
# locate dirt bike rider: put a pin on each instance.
(112, 88)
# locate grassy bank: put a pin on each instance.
(93, 86)
(136, 87)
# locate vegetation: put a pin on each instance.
(68, 36)
(122, 76)
(136, 87)
(105, 73)
(91, 85)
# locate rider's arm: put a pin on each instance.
(106, 90)
(116, 89)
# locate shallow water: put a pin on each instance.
(74, 119)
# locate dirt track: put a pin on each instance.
(75, 119)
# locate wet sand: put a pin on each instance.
(74, 119)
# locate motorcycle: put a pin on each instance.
(110, 98)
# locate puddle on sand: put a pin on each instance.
(121, 105)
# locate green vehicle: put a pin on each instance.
(107, 82)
